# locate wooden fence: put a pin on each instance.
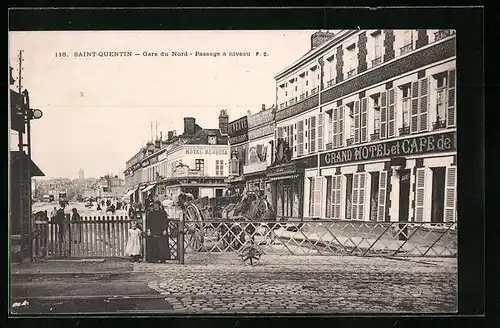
(92, 236)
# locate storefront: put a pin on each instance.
(286, 181)
(404, 179)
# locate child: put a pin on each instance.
(134, 242)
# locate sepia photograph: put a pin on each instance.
(262, 171)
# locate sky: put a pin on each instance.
(97, 111)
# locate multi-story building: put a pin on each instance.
(195, 161)
(261, 128)
(366, 128)
(238, 139)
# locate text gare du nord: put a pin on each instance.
(410, 146)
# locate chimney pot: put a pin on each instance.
(263, 106)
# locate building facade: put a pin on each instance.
(238, 139)
(366, 128)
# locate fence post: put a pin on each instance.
(68, 216)
(180, 239)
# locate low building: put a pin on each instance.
(238, 139)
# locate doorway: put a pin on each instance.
(404, 195)
(437, 207)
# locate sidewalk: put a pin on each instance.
(72, 266)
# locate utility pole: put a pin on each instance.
(20, 88)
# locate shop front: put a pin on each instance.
(286, 181)
(406, 179)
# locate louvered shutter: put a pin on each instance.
(361, 196)
(311, 197)
(338, 191)
(313, 134)
(290, 143)
(364, 120)
(320, 131)
(329, 191)
(307, 140)
(300, 138)
(355, 189)
(333, 196)
(391, 125)
(383, 115)
(424, 104)
(340, 130)
(451, 98)
(335, 127)
(318, 197)
(356, 122)
(414, 107)
(419, 194)
(450, 194)
(382, 192)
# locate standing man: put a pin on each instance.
(148, 202)
(156, 221)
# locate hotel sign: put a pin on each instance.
(206, 151)
(435, 143)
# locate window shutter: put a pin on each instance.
(307, 141)
(312, 146)
(290, 143)
(382, 191)
(419, 194)
(320, 131)
(356, 122)
(300, 138)
(391, 127)
(335, 127)
(424, 104)
(414, 107)
(450, 194)
(383, 115)
(451, 98)
(364, 120)
(311, 197)
(318, 189)
(340, 130)
(355, 188)
(329, 208)
(336, 184)
(361, 196)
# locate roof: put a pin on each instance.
(19, 156)
(201, 137)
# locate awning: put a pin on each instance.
(285, 177)
(148, 188)
(130, 192)
(34, 169)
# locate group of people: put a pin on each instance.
(156, 232)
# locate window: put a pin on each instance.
(441, 99)
(218, 192)
(419, 105)
(219, 167)
(351, 60)
(212, 140)
(330, 71)
(405, 105)
(350, 121)
(377, 48)
(348, 197)
(330, 128)
(375, 101)
(328, 209)
(199, 165)
(374, 195)
(407, 42)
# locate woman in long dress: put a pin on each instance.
(133, 248)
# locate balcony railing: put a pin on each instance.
(283, 105)
(439, 124)
(350, 141)
(377, 61)
(330, 83)
(303, 96)
(406, 49)
(329, 146)
(314, 91)
(404, 130)
(351, 73)
(441, 34)
(293, 101)
(375, 135)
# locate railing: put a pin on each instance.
(324, 237)
(293, 101)
(349, 141)
(329, 146)
(406, 49)
(351, 73)
(439, 124)
(441, 34)
(375, 135)
(404, 130)
(303, 96)
(283, 105)
(314, 90)
(330, 83)
(377, 61)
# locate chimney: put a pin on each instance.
(223, 121)
(263, 107)
(319, 38)
(189, 125)
(170, 135)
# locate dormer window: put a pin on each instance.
(212, 140)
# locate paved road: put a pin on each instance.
(309, 284)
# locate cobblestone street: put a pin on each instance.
(307, 284)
